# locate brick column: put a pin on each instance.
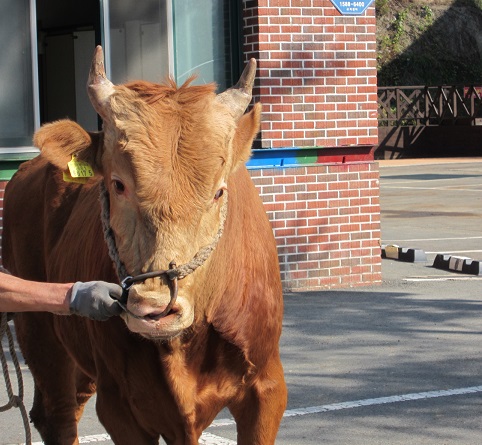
(317, 73)
(318, 86)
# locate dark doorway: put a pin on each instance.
(68, 31)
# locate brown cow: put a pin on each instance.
(167, 165)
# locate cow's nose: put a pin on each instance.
(151, 305)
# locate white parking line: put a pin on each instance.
(443, 278)
(384, 400)
(205, 439)
(368, 402)
(453, 251)
(446, 188)
(211, 439)
(436, 239)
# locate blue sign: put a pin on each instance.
(352, 7)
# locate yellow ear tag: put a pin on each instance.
(79, 171)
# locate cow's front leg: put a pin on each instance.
(259, 411)
(55, 404)
(116, 416)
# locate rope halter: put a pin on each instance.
(174, 273)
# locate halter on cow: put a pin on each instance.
(172, 274)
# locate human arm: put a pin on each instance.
(92, 299)
(18, 295)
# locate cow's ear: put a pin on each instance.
(246, 131)
(60, 140)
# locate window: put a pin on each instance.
(203, 42)
(148, 39)
(16, 85)
(138, 40)
(154, 38)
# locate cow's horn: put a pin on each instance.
(238, 97)
(99, 88)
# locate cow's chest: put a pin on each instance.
(178, 386)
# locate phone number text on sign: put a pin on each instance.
(351, 7)
(354, 5)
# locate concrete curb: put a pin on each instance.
(458, 264)
(406, 254)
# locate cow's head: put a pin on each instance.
(165, 156)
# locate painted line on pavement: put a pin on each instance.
(455, 251)
(367, 402)
(441, 188)
(211, 439)
(434, 239)
(205, 439)
(386, 183)
(433, 278)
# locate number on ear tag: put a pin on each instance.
(80, 169)
(68, 178)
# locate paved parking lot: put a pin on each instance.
(399, 363)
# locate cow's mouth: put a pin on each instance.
(150, 322)
(156, 315)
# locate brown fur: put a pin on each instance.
(172, 147)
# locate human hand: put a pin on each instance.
(95, 300)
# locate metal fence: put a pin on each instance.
(424, 105)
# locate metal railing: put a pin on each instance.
(425, 105)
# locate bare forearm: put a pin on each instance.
(17, 295)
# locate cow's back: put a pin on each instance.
(23, 252)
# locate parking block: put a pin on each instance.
(457, 264)
(406, 254)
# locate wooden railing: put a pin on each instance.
(424, 105)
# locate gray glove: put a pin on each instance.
(95, 299)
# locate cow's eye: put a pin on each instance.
(218, 194)
(119, 187)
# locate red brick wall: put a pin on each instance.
(326, 221)
(317, 72)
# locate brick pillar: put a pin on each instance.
(317, 73)
(318, 86)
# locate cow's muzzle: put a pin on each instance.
(172, 277)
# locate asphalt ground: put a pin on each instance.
(396, 363)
